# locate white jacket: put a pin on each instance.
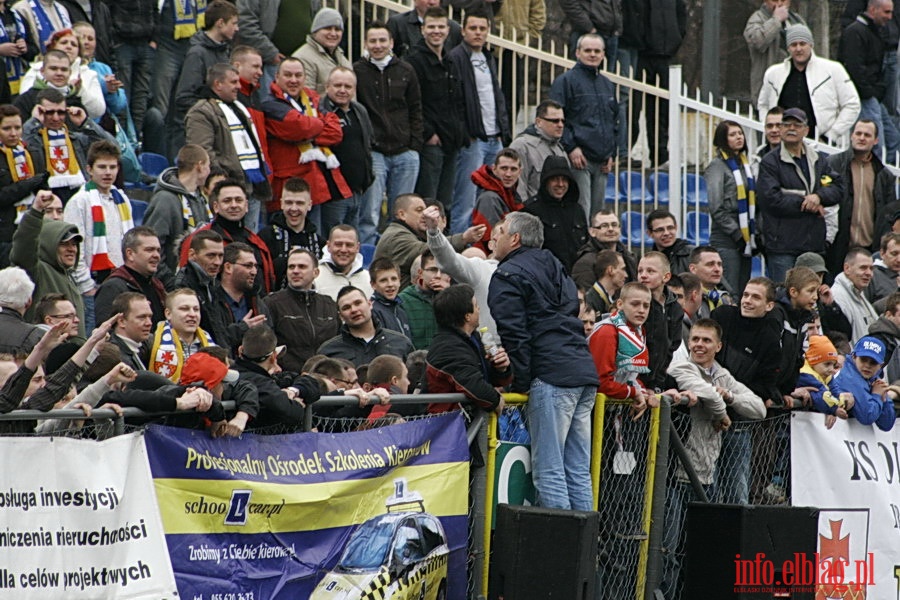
(854, 305)
(834, 97)
(90, 91)
(705, 441)
(330, 282)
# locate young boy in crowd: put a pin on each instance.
(385, 303)
(619, 347)
(873, 397)
(817, 372)
(390, 373)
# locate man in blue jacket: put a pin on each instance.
(535, 305)
(592, 120)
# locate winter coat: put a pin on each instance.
(287, 127)
(35, 248)
(723, 203)
(535, 305)
(492, 203)
(123, 280)
(565, 227)
(779, 193)
(442, 96)
(361, 352)
(330, 280)
(461, 58)
(368, 137)
(527, 17)
(214, 316)
(18, 335)
(420, 312)
(318, 63)
(764, 35)
(605, 16)
(834, 97)
(275, 406)
(862, 54)
(665, 25)
(868, 407)
(202, 54)
(751, 350)
(256, 21)
(591, 106)
(854, 305)
(406, 29)
(133, 21)
(281, 239)
(302, 320)
(889, 333)
(663, 329)
(165, 215)
(679, 255)
(390, 314)
(394, 102)
(793, 337)
(883, 284)
(534, 148)
(402, 245)
(583, 270)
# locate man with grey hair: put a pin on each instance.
(819, 87)
(535, 304)
(15, 298)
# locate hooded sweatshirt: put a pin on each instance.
(35, 249)
(493, 203)
(565, 227)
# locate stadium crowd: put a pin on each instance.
(370, 228)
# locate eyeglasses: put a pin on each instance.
(603, 226)
(670, 229)
(249, 266)
(347, 383)
(65, 316)
(558, 121)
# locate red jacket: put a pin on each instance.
(286, 127)
(493, 202)
(246, 97)
(604, 342)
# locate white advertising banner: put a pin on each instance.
(79, 520)
(852, 474)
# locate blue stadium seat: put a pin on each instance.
(691, 234)
(633, 227)
(611, 195)
(631, 183)
(659, 187)
(756, 267)
(367, 251)
(694, 191)
(138, 208)
(153, 164)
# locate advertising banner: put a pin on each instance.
(372, 514)
(78, 520)
(852, 473)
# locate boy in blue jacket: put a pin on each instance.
(817, 372)
(874, 399)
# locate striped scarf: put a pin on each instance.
(746, 198)
(632, 356)
(44, 25)
(100, 260)
(167, 355)
(18, 161)
(15, 66)
(190, 221)
(62, 163)
(189, 17)
(310, 152)
(246, 143)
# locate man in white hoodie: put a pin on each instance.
(849, 291)
(342, 264)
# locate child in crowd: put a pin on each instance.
(873, 397)
(385, 303)
(390, 373)
(818, 370)
(619, 347)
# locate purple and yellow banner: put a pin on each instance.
(373, 514)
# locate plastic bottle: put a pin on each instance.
(487, 340)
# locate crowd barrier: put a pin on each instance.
(636, 466)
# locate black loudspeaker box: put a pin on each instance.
(542, 553)
(776, 544)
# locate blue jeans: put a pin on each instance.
(778, 265)
(733, 466)
(591, 187)
(336, 212)
(134, 69)
(888, 136)
(559, 421)
(89, 324)
(169, 57)
(437, 170)
(395, 174)
(470, 158)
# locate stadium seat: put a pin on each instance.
(633, 228)
(611, 195)
(691, 234)
(659, 187)
(367, 251)
(695, 190)
(756, 267)
(631, 183)
(138, 208)
(153, 164)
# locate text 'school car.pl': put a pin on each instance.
(400, 555)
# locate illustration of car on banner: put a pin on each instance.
(401, 555)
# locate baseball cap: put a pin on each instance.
(70, 235)
(205, 369)
(871, 347)
(813, 261)
(796, 114)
